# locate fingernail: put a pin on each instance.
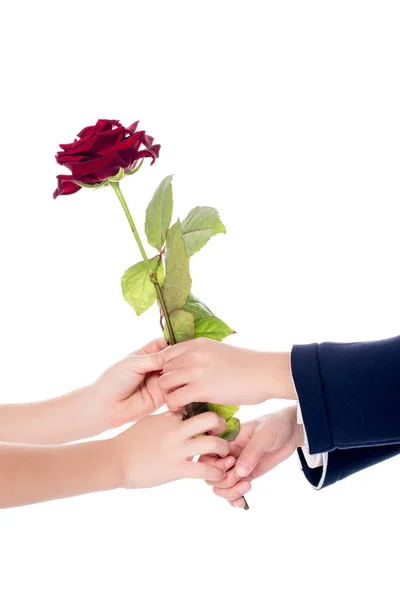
(238, 504)
(230, 462)
(242, 470)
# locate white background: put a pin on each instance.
(285, 116)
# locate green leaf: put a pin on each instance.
(199, 226)
(197, 308)
(213, 328)
(137, 287)
(177, 277)
(159, 214)
(232, 429)
(226, 412)
(183, 325)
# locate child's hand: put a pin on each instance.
(261, 445)
(203, 370)
(154, 451)
(126, 392)
(129, 390)
(161, 448)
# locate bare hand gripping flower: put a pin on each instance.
(101, 156)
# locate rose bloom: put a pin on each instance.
(100, 151)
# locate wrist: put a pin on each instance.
(278, 376)
(94, 409)
(113, 458)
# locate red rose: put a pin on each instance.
(100, 151)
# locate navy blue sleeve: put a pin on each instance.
(342, 463)
(350, 402)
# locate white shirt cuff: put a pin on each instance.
(313, 460)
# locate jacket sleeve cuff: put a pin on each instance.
(343, 463)
(315, 475)
(308, 383)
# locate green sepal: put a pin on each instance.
(136, 169)
(93, 186)
(118, 176)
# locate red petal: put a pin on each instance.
(91, 167)
(129, 142)
(132, 128)
(66, 186)
(152, 152)
(101, 125)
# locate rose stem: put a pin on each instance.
(153, 275)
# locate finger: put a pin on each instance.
(145, 363)
(209, 444)
(221, 463)
(152, 347)
(233, 494)
(175, 364)
(196, 470)
(238, 503)
(177, 350)
(270, 461)
(180, 398)
(156, 395)
(261, 441)
(229, 481)
(173, 381)
(204, 423)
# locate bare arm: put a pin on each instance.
(30, 474)
(56, 421)
(126, 392)
(154, 451)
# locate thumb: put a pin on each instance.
(145, 363)
(252, 453)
